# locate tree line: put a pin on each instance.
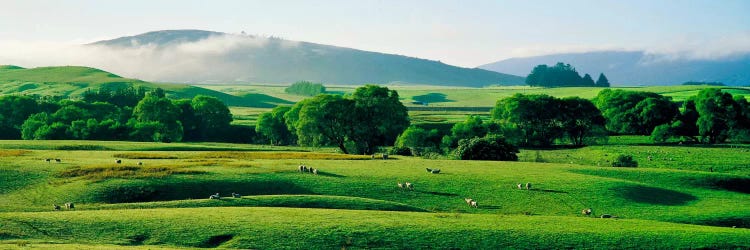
(136, 114)
(562, 75)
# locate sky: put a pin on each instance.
(463, 33)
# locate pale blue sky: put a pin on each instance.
(465, 33)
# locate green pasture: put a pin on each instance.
(354, 201)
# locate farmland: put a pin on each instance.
(354, 200)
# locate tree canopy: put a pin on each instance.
(305, 88)
(562, 75)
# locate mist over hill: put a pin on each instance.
(198, 56)
(639, 67)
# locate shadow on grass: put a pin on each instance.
(653, 195)
(549, 191)
(438, 193)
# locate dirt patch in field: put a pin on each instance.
(101, 172)
(12, 152)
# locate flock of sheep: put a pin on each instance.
(68, 205)
(218, 197)
(305, 169)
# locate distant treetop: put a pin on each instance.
(704, 83)
(562, 75)
(306, 88)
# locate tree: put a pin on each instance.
(717, 111)
(581, 120)
(587, 81)
(418, 140)
(156, 119)
(306, 88)
(188, 120)
(213, 117)
(536, 116)
(602, 81)
(325, 119)
(386, 117)
(272, 126)
(32, 124)
(14, 110)
(486, 148)
(559, 75)
(634, 112)
(470, 128)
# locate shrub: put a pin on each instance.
(400, 151)
(486, 148)
(624, 161)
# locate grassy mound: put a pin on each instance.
(285, 228)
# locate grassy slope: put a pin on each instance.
(640, 196)
(72, 81)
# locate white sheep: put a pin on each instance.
(315, 171)
(302, 168)
(474, 204)
(401, 186)
(468, 201)
(519, 185)
(70, 205)
(429, 170)
(215, 196)
(528, 186)
(235, 195)
(409, 186)
(586, 211)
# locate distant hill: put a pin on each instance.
(630, 68)
(212, 57)
(73, 81)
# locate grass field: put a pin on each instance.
(354, 201)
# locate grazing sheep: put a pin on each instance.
(528, 186)
(235, 195)
(58, 160)
(519, 185)
(401, 186)
(429, 170)
(474, 204)
(468, 201)
(140, 163)
(301, 168)
(315, 171)
(48, 160)
(435, 171)
(118, 161)
(604, 216)
(586, 211)
(214, 197)
(57, 207)
(409, 186)
(70, 205)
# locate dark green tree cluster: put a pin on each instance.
(153, 117)
(359, 123)
(635, 112)
(306, 88)
(540, 120)
(562, 75)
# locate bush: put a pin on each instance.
(306, 88)
(625, 161)
(405, 151)
(486, 148)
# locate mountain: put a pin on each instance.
(213, 57)
(638, 67)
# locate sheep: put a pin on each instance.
(48, 160)
(301, 168)
(429, 170)
(315, 171)
(118, 161)
(56, 207)
(70, 205)
(401, 186)
(519, 185)
(528, 186)
(435, 171)
(468, 201)
(474, 204)
(236, 195)
(58, 160)
(586, 211)
(409, 186)
(140, 163)
(214, 196)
